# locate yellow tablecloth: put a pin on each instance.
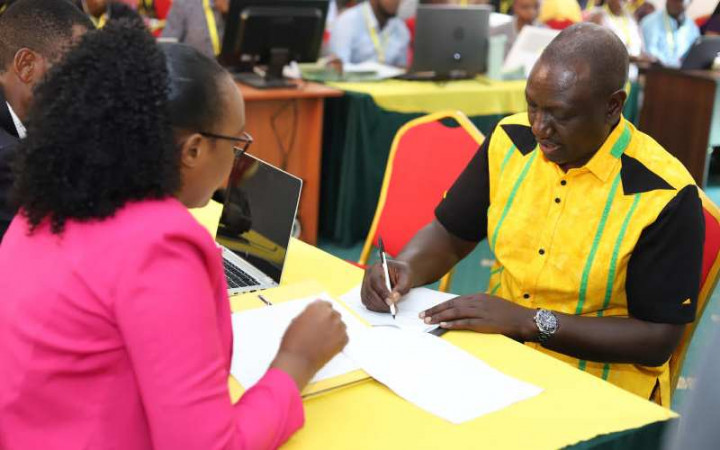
(574, 406)
(478, 97)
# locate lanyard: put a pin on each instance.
(669, 34)
(374, 36)
(212, 26)
(623, 22)
(98, 22)
(147, 7)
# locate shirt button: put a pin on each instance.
(526, 296)
(563, 182)
(541, 251)
(557, 199)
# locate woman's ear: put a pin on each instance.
(192, 150)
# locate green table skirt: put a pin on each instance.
(357, 136)
(649, 437)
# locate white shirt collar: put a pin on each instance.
(21, 131)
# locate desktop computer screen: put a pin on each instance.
(271, 33)
(451, 41)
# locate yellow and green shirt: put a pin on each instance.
(621, 236)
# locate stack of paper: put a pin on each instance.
(257, 334)
(380, 71)
(421, 368)
(409, 307)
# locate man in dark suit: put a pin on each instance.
(33, 35)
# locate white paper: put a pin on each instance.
(412, 304)
(257, 334)
(527, 48)
(497, 19)
(380, 71)
(435, 375)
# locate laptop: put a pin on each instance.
(702, 53)
(451, 43)
(259, 210)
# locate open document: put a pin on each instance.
(257, 334)
(412, 304)
(423, 369)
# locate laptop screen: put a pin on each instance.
(259, 210)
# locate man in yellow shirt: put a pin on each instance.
(597, 231)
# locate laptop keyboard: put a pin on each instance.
(236, 278)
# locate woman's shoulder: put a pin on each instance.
(149, 219)
(153, 230)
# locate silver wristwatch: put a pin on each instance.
(547, 324)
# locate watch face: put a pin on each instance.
(547, 322)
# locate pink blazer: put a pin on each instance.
(117, 335)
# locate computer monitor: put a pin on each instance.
(451, 41)
(702, 53)
(271, 33)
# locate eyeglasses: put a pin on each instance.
(242, 143)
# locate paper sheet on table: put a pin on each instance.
(435, 375)
(380, 71)
(257, 334)
(416, 301)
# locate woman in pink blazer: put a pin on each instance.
(115, 325)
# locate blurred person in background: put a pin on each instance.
(154, 13)
(559, 14)
(198, 23)
(614, 15)
(524, 12)
(371, 31)
(669, 33)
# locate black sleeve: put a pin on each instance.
(663, 275)
(463, 212)
(7, 152)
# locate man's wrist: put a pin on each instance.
(528, 330)
(411, 272)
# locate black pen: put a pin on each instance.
(386, 272)
(264, 300)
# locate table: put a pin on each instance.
(576, 409)
(681, 111)
(287, 127)
(360, 126)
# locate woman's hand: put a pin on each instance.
(311, 340)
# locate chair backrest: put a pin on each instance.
(708, 280)
(426, 157)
